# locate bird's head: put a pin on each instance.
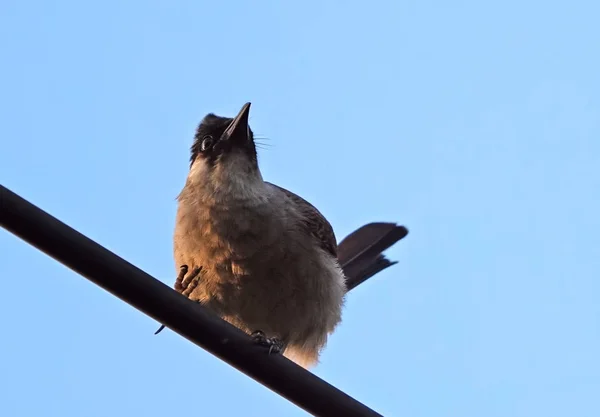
(223, 155)
(219, 140)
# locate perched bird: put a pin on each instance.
(258, 255)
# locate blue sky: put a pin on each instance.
(475, 124)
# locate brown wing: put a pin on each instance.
(316, 224)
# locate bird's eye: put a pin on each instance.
(207, 143)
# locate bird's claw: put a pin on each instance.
(185, 285)
(275, 345)
(191, 281)
(183, 269)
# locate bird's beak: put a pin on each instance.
(238, 129)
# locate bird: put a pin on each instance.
(261, 257)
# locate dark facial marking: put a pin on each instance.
(208, 145)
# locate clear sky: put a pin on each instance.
(476, 124)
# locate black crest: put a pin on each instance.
(208, 143)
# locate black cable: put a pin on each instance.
(180, 314)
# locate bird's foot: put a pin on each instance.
(191, 281)
(184, 285)
(275, 345)
(183, 269)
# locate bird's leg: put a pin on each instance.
(182, 284)
(274, 344)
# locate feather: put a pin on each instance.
(360, 253)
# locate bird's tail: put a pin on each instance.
(360, 253)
